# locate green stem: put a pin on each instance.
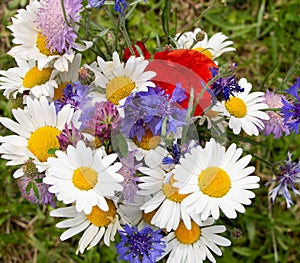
(126, 36)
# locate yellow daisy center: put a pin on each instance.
(214, 182)
(43, 139)
(148, 141)
(101, 218)
(204, 51)
(171, 192)
(41, 44)
(85, 178)
(34, 77)
(186, 236)
(147, 217)
(236, 107)
(119, 88)
(58, 92)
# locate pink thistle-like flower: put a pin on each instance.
(51, 22)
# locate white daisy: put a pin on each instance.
(134, 216)
(215, 121)
(96, 225)
(119, 80)
(148, 150)
(28, 77)
(195, 245)
(68, 77)
(84, 176)
(244, 110)
(212, 47)
(32, 45)
(166, 200)
(215, 179)
(37, 128)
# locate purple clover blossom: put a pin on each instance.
(287, 177)
(74, 94)
(41, 196)
(128, 170)
(275, 124)
(69, 137)
(143, 246)
(224, 87)
(51, 22)
(103, 121)
(291, 110)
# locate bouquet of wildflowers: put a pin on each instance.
(131, 147)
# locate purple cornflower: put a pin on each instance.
(161, 109)
(143, 246)
(32, 187)
(153, 109)
(128, 170)
(51, 22)
(104, 120)
(291, 110)
(136, 122)
(275, 124)
(69, 137)
(96, 3)
(74, 94)
(224, 87)
(287, 177)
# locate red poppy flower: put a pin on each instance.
(189, 68)
(142, 47)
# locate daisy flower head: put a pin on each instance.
(41, 33)
(275, 125)
(84, 176)
(97, 225)
(287, 179)
(27, 77)
(141, 246)
(37, 127)
(166, 201)
(291, 109)
(67, 77)
(212, 47)
(119, 80)
(150, 149)
(244, 110)
(215, 180)
(195, 245)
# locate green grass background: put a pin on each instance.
(266, 35)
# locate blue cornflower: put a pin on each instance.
(287, 177)
(162, 109)
(74, 94)
(291, 110)
(120, 5)
(223, 88)
(143, 246)
(96, 3)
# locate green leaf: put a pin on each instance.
(28, 187)
(36, 191)
(251, 229)
(52, 150)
